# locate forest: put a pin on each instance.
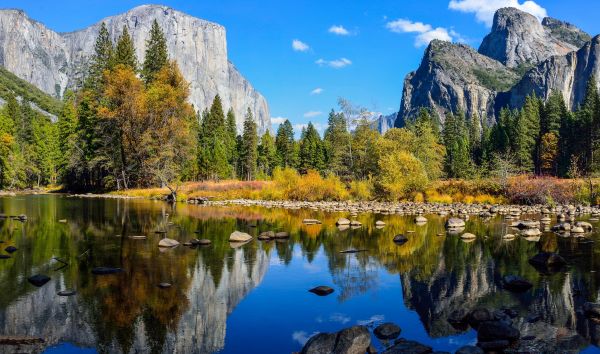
(129, 125)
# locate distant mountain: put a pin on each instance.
(518, 57)
(55, 61)
(384, 123)
(10, 84)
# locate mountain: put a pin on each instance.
(55, 61)
(519, 56)
(384, 123)
(10, 84)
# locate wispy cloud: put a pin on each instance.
(425, 32)
(302, 337)
(300, 46)
(336, 64)
(311, 114)
(278, 120)
(484, 10)
(317, 91)
(339, 30)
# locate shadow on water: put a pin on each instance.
(253, 298)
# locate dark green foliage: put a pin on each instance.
(156, 53)
(249, 148)
(455, 135)
(11, 85)
(125, 51)
(337, 144)
(101, 61)
(285, 143)
(312, 151)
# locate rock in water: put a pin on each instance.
(342, 222)
(403, 346)
(469, 349)
(52, 61)
(168, 243)
(38, 280)
(353, 340)
(66, 293)
(455, 223)
(547, 261)
(516, 284)
(468, 236)
(106, 270)
(321, 290)
(496, 330)
(387, 331)
(164, 285)
(400, 239)
(238, 236)
(11, 249)
(3, 256)
(311, 221)
(420, 219)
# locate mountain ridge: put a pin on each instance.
(55, 62)
(517, 47)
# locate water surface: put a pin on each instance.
(253, 298)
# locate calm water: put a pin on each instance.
(254, 298)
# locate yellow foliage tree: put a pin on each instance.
(401, 173)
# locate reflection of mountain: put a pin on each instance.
(201, 329)
(434, 300)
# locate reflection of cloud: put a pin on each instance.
(302, 337)
(372, 319)
(311, 268)
(339, 318)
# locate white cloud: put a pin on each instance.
(336, 64)
(317, 91)
(278, 120)
(339, 30)
(425, 33)
(311, 114)
(302, 337)
(300, 46)
(484, 10)
(318, 126)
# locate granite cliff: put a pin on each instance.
(55, 61)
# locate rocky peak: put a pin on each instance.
(518, 38)
(54, 62)
(566, 32)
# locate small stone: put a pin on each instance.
(106, 270)
(400, 239)
(468, 236)
(379, 223)
(11, 249)
(67, 293)
(516, 284)
(164, 285)
(342, 222)
(167, 243)
(62, 221)
(387, 331)
(311, 221)
(4, 256)
(38, 280)
(238, 236)
(282, 235)
(321, 290)
(454, 223)
(469, 349)
(202, 242)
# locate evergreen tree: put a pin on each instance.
(231, 135)
(102, 59)
(456, 141)
(156, 53)
(267, 154)
(527, 137)
(125, 51)
(286, 145)
(248, 148)
(214, 144)
(312, 154)
(337, 144)
(67, 130)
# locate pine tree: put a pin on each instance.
(312, 155)
(67, 130)
(231, 135)
(527, 136)
(337, 143)
(249, 146)
(156, 53)
(101, 61)
(267, 154)
(125, 51)
(456, 140)
(284, 141)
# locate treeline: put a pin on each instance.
(542, 138)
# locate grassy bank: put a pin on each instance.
(313, 187)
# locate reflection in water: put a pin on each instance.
(129, 313)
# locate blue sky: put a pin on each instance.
(357, 49)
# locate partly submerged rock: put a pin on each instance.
(400, 239)
(342, 221)
(38, 280)
(168, 243)
(387, 331)
(322, 290)
(106, 270)
(238, 236)
(66, 293)
(516, 284)
(353, 340)
(404, 346)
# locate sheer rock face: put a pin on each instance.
(55, 62)
(454, 77)
(567, 74)
(518, 38)
(384, 123)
